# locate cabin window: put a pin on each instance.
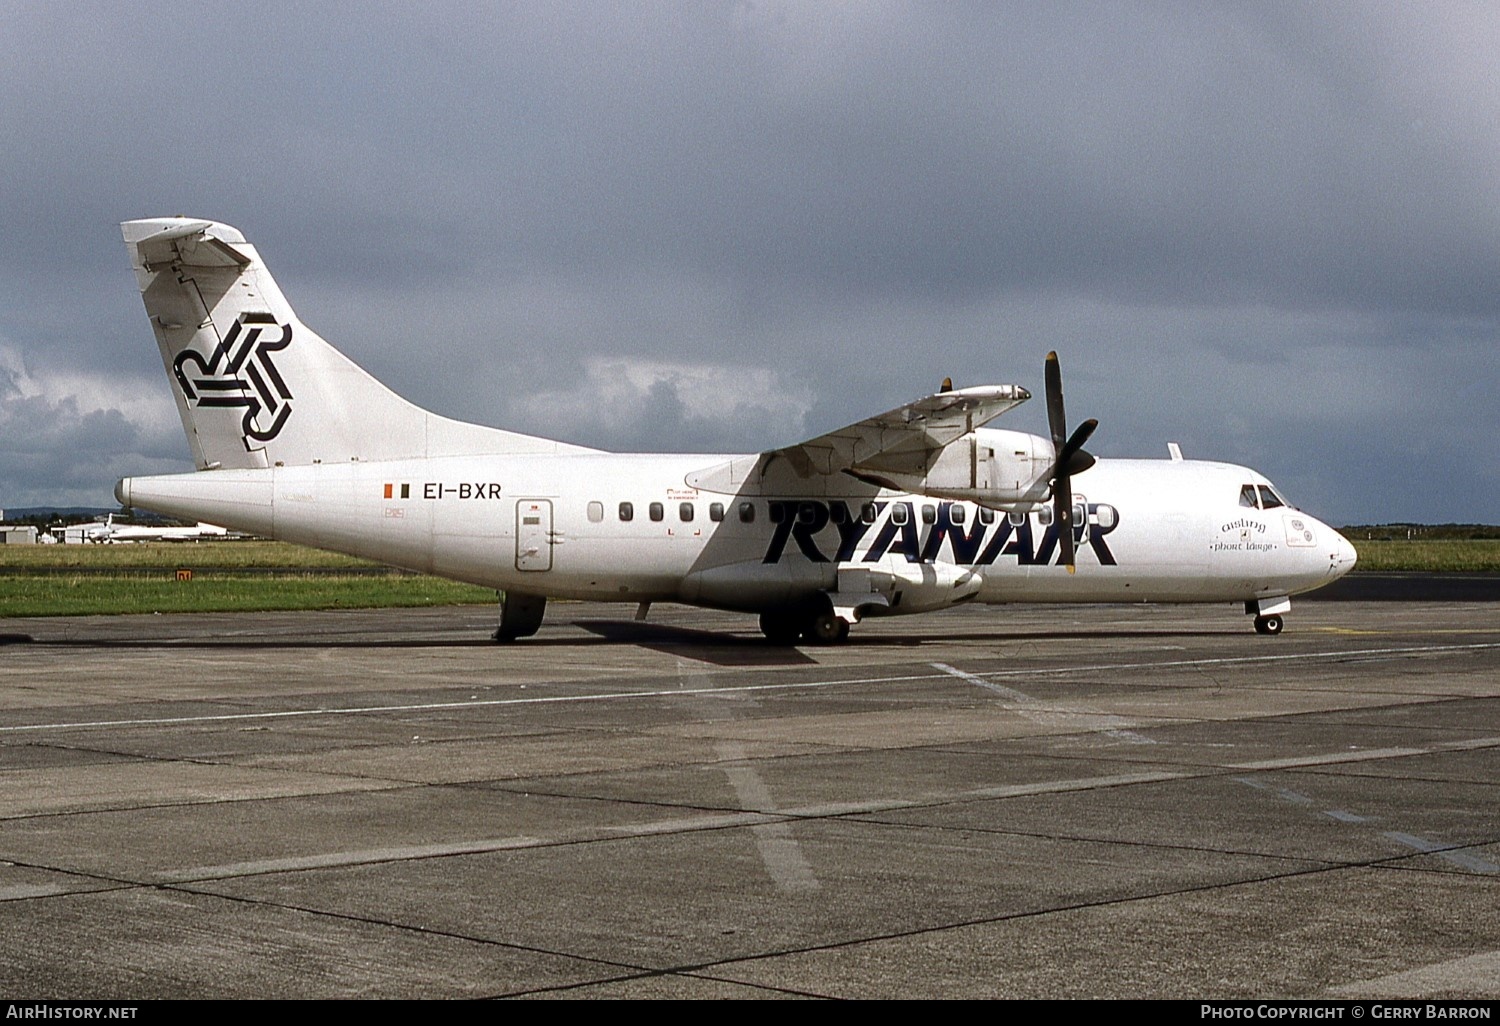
(929, 513)
(1080, 515)
(1044, 515)
(806, 513)
(838, 512)
(596, 512)
(657, 511)
(1247, 496)
(868, 512)
(627, 511)
(1105, 516)
(716, 511)
(900, 513)
(955, 514)
(747, 512)
(685, 512)
(1016, 518)
(778, 512)
(986, 515)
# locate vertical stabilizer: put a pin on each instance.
(255, 386)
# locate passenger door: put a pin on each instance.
(534, 535)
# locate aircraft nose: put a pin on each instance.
(1344, 556)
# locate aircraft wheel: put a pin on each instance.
(780, 628)
(1268, 624)
(520, 615)
(827, 628)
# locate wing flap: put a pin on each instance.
(905, 440)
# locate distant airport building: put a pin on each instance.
(12, 535)
(78, 534)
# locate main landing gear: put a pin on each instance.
(1268, 624)
(816, 625)
(520, 615)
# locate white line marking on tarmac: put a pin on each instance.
(20, 892)
(798, 878)
(1345, 817)
(973, 678)
(1471, 974)
(346, 858)
(1443, 851)
(1346, 756)
(979, 794)
(682, 824)
(1421, 844)
(1049, 715)
(804, 685)
(778, 849)
(1467, 745)
(1365, 755)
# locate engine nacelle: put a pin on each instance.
(992, 467)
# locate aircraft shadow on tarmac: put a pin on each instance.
(752, 650)
(714, 647)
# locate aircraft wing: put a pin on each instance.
(905, 440)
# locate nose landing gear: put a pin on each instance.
(1268, 624)
(1268, 613)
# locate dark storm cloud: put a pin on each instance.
(56, 449)
(1268, 231)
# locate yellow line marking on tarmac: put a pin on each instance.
(1418, 631)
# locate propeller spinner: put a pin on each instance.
(1070, 459)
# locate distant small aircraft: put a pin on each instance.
(912, 510)
(109, 532)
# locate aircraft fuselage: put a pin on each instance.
(627, 528)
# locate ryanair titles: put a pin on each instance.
(919, 531)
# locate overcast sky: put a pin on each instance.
(1270, 232)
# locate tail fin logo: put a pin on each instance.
(241, 372)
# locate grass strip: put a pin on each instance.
(1429, 556)
(255, 575)
(65, 595)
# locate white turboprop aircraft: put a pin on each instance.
(111, 533)
(913, 510)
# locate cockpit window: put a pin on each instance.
(1269, 499)
(1261, 497)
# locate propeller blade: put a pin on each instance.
(947, 385)
(1080, 462)
(1069, 459)
(1056, 419)
(1062, 494)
